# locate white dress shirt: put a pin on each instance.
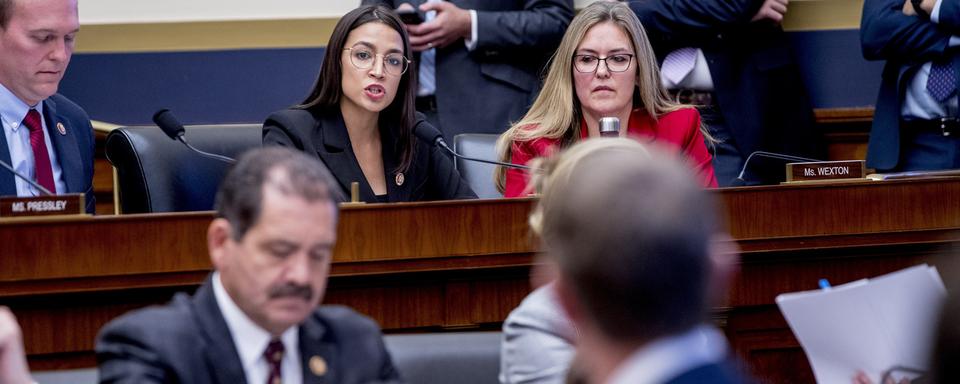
(12, 112)
(669, 357)
(251, 341)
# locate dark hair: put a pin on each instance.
(6, 11)
(328, 89)
(632, 241)
(240, 196)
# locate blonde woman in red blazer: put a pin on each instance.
(604, 67)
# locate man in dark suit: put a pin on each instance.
(480, 60)
(46, 137)
(915, 126)
(637, 276)
(733, 59)
(256, 319)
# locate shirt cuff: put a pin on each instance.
(471, 43)
(935, 14)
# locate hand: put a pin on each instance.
(451, 24)
(13, 363)
(926, 5)
(862, 378)
(773, 10)
(908, 8)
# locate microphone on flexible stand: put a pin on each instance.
(427, 132)
(43, 191)
(609, 127)
(739, 181)
(172, 127)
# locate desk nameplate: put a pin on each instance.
(59, 205)
(825, 170)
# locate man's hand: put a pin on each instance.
(773, 10)
(13, 364)
(926, 5)
(450, 25)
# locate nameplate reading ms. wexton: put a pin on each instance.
(69, 204)
(825, 170)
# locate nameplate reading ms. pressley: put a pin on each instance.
(68, 204)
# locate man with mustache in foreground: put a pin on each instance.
(256, 319)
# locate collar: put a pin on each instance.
(249, 338)
(13, 110)
(671, 356)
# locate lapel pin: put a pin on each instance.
(318, 366)
(399, 179)
(61, 129)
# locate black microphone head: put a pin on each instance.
(168, 123)
(427, 132)
(738, 182)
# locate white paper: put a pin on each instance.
(869, 325)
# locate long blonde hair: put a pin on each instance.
(556, 171)
(556, 112)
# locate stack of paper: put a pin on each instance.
(867, 325)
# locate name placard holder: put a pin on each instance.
(57, 205)
(821, 171)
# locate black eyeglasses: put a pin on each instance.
(615, 63)
(363, 58)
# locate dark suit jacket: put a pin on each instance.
(74, 149)
(710, 373)
(484, 90)
(187, 341)
(431, 175)
(906, 42)
(756, 80)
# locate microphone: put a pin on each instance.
(172, 127)
(43, 191)
(609, 126)
(739, 181)
(427, 132)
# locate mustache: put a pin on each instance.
(291, 290)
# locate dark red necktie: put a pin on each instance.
(274, 355)
(41, 159)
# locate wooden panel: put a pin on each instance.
(464, 265)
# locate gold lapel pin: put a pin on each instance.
(318, 366)
(61, 129)
(399, 179)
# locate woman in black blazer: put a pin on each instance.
(360, 115)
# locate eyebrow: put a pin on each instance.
(368, 45)
(53, 31)
(593, 52)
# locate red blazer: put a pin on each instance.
(678, 131)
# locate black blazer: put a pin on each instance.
(431, 175)
(906, 42)
(187, 341)
(755, 76)
(74, 149)
(485, 90)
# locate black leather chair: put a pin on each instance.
(442, 358)
(478, 175)
(158, 174)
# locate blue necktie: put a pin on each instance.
(943, 79)
(428, 66)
